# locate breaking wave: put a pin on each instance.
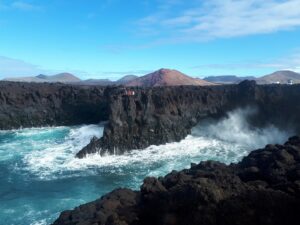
(51, 152)
(38, 165)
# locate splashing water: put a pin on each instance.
(40, 177)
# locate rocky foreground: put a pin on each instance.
(264, 188)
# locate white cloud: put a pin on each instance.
(292, 62)
(289, 62)
(20, 5)
(25, 6)
(211, 19)
(15, 67)
(10, 67)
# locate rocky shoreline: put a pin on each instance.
(152, 116)
(155, 116)
(264, 188)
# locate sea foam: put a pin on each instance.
(226, 140)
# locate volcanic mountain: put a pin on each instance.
(106, 82)
(167, 77)
(282, 77)
(227, 79)
(61, 77)
(100, 82)
(126, 79)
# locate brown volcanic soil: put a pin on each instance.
(166, 77)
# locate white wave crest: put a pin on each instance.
(227, 140)
(234, 128)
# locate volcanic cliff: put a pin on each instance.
(139, 117)
(46, 104)
(156, 116)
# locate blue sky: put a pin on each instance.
(111, 38)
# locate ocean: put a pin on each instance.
(40, 177)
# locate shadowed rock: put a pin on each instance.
(155, 116)
(152, 116)
(45, 104)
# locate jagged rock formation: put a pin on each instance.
(156, 116)
(264, 188)
(159, 115)
(33, 104)
(152, 116)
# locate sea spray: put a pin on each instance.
(235, 128)
(40, 175)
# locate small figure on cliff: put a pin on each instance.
(129, 92)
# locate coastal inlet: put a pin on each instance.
(40, 177)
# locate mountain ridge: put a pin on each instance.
(41, 78)
(164, 77)
(228, 79)
(281, 76)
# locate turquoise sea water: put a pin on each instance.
(39, 176)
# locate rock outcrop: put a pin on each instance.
(140, 117)
(155, 116)
(33, 104)
(264, 188)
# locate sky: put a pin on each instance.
(112, 38)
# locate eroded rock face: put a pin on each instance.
(152, 116)
(264, 188)
(33, 104)
(155, 116)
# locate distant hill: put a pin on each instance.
(101, 82)
(107, 82)
(282, 77)
(227, 79)
(126, 79)
(166, 77)
(61, 77)
(24, 79)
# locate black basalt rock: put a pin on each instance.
(50, 104)
(264, 188)
(140, 117)
(155, 116)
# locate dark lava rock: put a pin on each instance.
(152, 116)
(155, 116)
(50, 104)
(264, 188)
